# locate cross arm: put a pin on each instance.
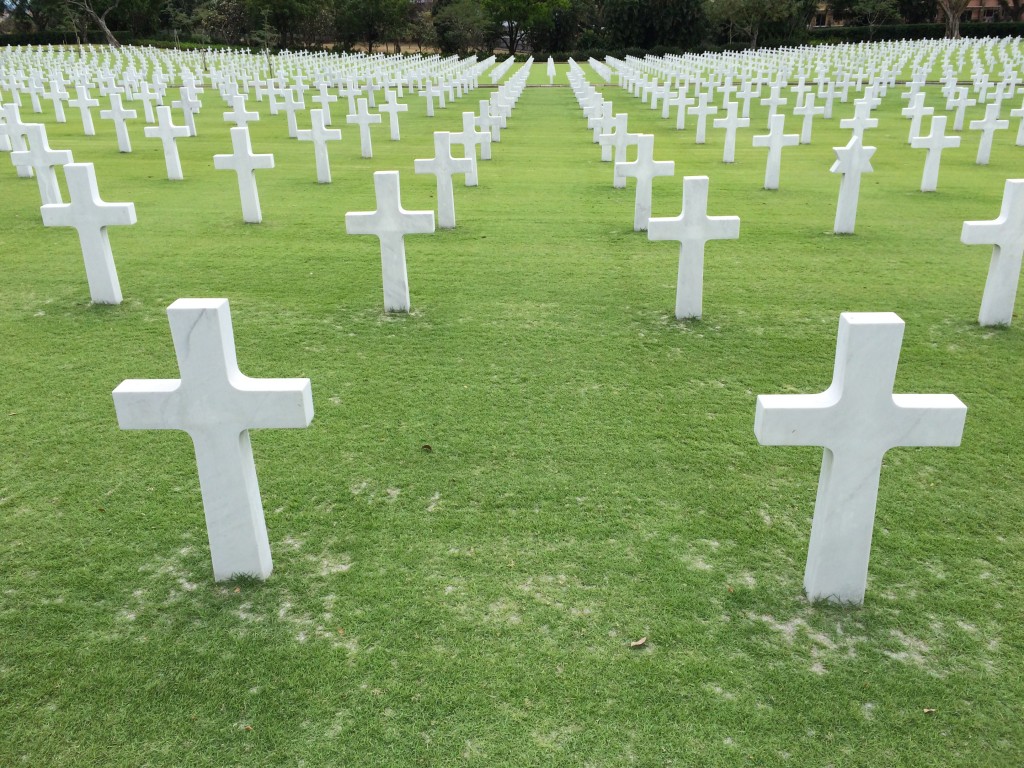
(143, 403)
(117, 214)
(794, 419)
(982, 232)
(418, 222)
(57, 215)
(1005, 230)
(930, 420)
(276, 403)
(722, 228)
(362, 223)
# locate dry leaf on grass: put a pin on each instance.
(638, 643)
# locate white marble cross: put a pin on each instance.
(1019, 112)
(915, 112)
(364, 119)
(693, 228)
(599, 119)
(119, 115)
(430, 93)
(444, 166)
(34, 90)
(856, 420)
(773, 102)
(988, 127)
(747, 92)
(1006, 235)
(851, 161)
(608, 124)
(861, 119)
(702, 110)
(730, 123)
(293, 102)
(807, 110)
(391, 223)
(88, 214)
(828, 97)
(644, 169)
(82, 102)
(167, 132)
(775, 140)
(189, 104)
(320, 134)
(490, 120)
(934, 142)
(348, 90)
(682, 103)
(960, 103)
(620, 140)
(470, 138)
(391, 107)
(57, 96)
(217, 405)
(16, 132)
(244, 163)
(324, 98)
(149, 98)
(42, 160)
(238, 114)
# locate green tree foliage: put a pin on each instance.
(565, 25)
(462, 26)
(465, 26)
(40, 15)
(518, 21)
(760, 22)
(918, 11)
(421, 29)
(866, 13)
(650, 23)
(372, 21)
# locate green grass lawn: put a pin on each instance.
(592, 478)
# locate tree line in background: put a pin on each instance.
(466, 26)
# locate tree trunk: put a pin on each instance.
(111, 40)
(101, 21)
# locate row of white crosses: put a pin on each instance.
(228, 70)
(707, 82)
(244, 162)
(852, 161)
(935, 141)
(856, 420)
(390, 222)
(86, 212)
(213, 401)
(218, 405)
(692, 228)
(229, 83)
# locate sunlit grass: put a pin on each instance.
(592, 475)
